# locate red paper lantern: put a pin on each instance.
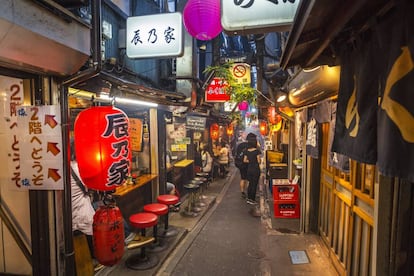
(244, 105)
(103, 147)
(108, 235)
(271, 114)
(263, 128)
(202, 18)
(214, 131)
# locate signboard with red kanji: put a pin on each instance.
(216, 91)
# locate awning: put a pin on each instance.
(321, 26)
(122, 84)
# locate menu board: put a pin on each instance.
(136, 134)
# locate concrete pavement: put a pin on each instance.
(230, 237)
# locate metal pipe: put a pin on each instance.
(69, 257)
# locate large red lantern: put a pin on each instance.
(202, 18)
(263, 128)
(108, 235)
(103, 147)
(214, 131)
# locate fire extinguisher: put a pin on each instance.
(108, 234)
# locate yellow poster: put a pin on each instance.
(136, 134)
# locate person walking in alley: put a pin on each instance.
(239, 163)
(252, 158)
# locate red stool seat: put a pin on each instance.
(168, 199)
(156, 208)
(143, 220)
(142, 261)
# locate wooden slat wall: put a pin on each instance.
(346, 213)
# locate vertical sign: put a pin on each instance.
(39, 136)
(11, 96)
(136, 134)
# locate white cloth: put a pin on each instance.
(223, 157)
(206, 161)
(82, 209)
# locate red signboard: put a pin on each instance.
(216, 91)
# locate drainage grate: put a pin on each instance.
(299, 257)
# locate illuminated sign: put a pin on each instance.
(248, 16)
(241, 73)
(216, 91)
(159, 35)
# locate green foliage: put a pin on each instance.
(237, 92)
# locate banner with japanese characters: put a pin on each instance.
(36, 147)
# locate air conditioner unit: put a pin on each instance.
(312, 85)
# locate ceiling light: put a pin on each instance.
(133, 101)
(281, 97)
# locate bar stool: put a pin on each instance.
(160, 210)
(205, 175)
(141, 261)
(204, 181)
(198, 195)
(169, 200)
(191, 210)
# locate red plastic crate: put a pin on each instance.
(285, 192)
(286, 208)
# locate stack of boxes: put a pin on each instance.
(286, 197)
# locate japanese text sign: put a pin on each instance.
(216, 91)
(103, 147)
(247, 16)
(159, 35)
(241, 73)
(39, 138)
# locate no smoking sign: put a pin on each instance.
(241, 73)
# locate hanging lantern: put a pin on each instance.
(244, 105)
(230, 130)
(108, 235)
(202, 18)
(276, 127)
(271, 114)
(214, 131)
(287, 110)
(103, 147)
(263, 128)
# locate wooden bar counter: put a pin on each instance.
(140, 180)
(131, 198)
